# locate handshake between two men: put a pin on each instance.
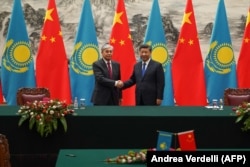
(119, 84)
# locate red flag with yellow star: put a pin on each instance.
(187, 140)
(123, 50)
(243, 70)
(187, 68)
(52, 64)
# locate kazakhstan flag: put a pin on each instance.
(17, 61)
(164, 141)
(85, 52)
(155, 37)
(220, 66)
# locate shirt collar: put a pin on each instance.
(146, 62)
(106, 61)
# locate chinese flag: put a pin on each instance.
(1, 93)
(187, 67)
(187, 141)
(123, 50)
(243, 70)
(52, 64)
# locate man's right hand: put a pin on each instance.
(119, 84)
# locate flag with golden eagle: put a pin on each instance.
(52, 63)
(220, 66)
(243, 70)
(164, 141)
(123, 50)
(187, 67)
(84, 54)
(17, 61)
(155, 37)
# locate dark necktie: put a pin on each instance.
(143, 68)
(109, 69)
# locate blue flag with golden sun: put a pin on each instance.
(17, 62)
(164, 141)
(220, 66)
(85, 52)
(155, 37)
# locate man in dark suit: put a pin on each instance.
(107, 78)
(148, 75)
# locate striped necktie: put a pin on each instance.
(109, 69)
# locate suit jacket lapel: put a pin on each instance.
(105, 67)
(113, 68)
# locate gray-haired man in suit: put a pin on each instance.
(148, 75)
(107, 78)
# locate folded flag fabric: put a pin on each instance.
(187, 140)
(155, 36)
(52, 69)
(86, 51)
(17, 65)
(123, 53)
(220, 65)
(164, 141)
(243, 70)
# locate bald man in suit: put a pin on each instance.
(148, 75)
(107, 78)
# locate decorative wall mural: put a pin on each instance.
(137, 13)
